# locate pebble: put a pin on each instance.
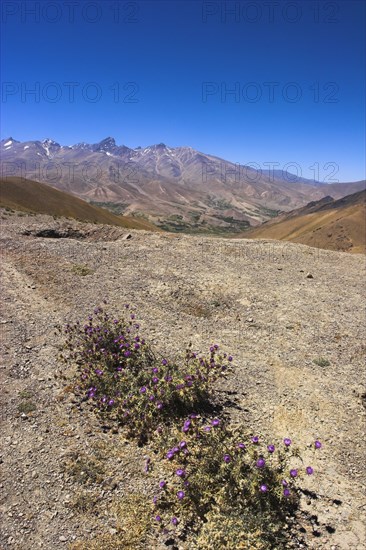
(62, 538)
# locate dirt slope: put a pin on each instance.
(31, 196)
(334, 225)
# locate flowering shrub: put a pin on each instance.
(118, 373)
(220, 487)
(229, 489)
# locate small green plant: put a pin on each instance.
(83, 502)
(25, 394)
(227, 483)
(26, 407)
(81, 270)
(321, 362)
(118, 373)
(84, 469)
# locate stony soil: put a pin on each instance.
(296, 340)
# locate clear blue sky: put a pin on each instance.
(178, 60)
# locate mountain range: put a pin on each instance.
(176, 188)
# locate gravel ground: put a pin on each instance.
(292, 316)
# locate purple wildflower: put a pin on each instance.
(186, 426)
(230, 358)
(162, 484)
(286, 492)
(287, 441)
(143, 389)
(175, 521)
(309, 470)
(271, 448)
(180, 473)
(317, 444)
(284, 483)
(180, 495)
(164, 362)
(255, 439)
(260, 463)
(182, 444)
(157, 518)
(241, 446)
(170, 455)
(263, 488)
(215, 422)
(293, 473)
(227, 458)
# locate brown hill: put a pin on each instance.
(328, 223)
(32, 196)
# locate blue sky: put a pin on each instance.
(250, 81)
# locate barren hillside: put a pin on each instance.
(32, 196)
(334, 225)
(292, 316)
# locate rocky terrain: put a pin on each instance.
(291, 315)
